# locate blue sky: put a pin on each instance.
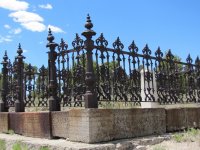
(170, 24)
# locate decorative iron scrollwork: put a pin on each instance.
(102, 70)
(77, 43)
(42, 87)
(148, 74)
(30, 86)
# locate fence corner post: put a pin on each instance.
(90, 96)
(4, 92)
(54, 103)
(19, 103)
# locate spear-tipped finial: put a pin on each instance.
(77, 36)
(50, 37)
(169, 52)
(19, 51)
(133, 48)
(5, 57)
(189, 59)
(159, 53)
(19, 46)
(62, 41)
(88, 24)
(169, 55)
(197, 61)
(49, 31)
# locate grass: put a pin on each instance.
(2, 145)
(189, 135)
(19, 146)
(178, 137)
(44, 148)
(10, 132)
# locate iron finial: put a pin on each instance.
(197, 61)
(133, 48)
(50, 37)
(19, 46)
(19, 51)
(49, 30)
(159, 53)
(189, 59)
(5, 57)
(88, 24)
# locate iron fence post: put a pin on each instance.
(19, 103)
(90, 96)
(54, 103)
(4, 92)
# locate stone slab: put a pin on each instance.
(182, 118)
(4, 122)
(79, 125)
(37, 124)
(98, 125)
(192, 117)
(60, 124)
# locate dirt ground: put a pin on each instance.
(172, 145)
(188, 140)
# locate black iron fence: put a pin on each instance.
(91, 74)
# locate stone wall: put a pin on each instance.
(31, 124)
(98, 125)
(181, 118)
(4, 122)
(60, 124)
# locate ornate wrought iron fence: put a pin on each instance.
(35, 88)
(91, 74)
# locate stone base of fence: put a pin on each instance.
(4, 124)
(33, 124)
(98, 125)
(181, 118)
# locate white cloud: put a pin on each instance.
(47, 6)
(34, 26)
(7, 26)
(14, 5)
(5, 39)
(25, 16)
(17, 30)
(55, 29)
(25, 51)
(30, 21)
